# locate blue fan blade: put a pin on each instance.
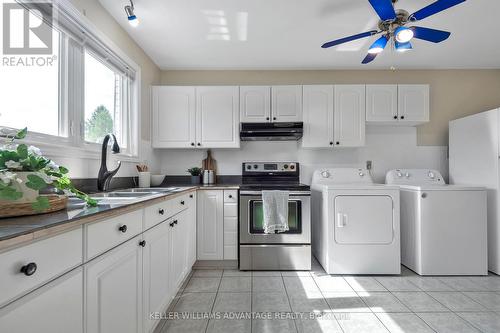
(369, 58)
(434, 8)
(348, 39)
(430, 35)
(384, 9)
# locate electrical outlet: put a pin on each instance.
(368, 165)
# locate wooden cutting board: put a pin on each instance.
(209, 163)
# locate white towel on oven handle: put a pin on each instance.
(275, 210)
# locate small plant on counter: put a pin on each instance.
(194, 171)
(24, 172)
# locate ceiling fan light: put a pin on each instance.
(378, 46)
(403, 47)
(403, 34)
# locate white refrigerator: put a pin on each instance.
(475, 160)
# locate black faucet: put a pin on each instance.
(104, 176)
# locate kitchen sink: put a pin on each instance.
(149, 189)
(121, 194)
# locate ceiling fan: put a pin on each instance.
(393, 27)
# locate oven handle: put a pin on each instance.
(259, 193)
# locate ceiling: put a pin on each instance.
(287, 34)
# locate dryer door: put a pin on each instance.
(363, 219)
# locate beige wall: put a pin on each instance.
(454, 93)
(150, 73)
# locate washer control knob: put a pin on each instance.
(431, 175)
(249, 167)
(292, 167)
(361, 174)
(325, 174)
(285, 166)
(407, 175)
(255, 166)
(400, 174)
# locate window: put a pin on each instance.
(103, 94)
(20, 77)
(88, 90)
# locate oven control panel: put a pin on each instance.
(270, 167)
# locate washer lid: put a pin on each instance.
(419, 177)
(445, 187)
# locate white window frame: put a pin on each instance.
(71, 97)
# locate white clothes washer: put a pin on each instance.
(443, 227)
(355, 223)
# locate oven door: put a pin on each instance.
(252, 220)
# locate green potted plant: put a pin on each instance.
(195, 175)
(24, 172)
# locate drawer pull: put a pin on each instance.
(182, 202)
(123, 228)
(142, 243)
(171, 224)
(230, 196)
(175, 222)
(161, 211)
(191, 196)
(29, 269)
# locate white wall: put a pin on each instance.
(387, 147)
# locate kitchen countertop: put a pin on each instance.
(16, 230)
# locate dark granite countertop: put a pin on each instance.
(76, 211)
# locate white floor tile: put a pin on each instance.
(266, 273)
(203, 285)
(364, 283)
(462, 283)
(195, 302)
(428, 283)
(317, 325)
(236, 284)
(447, 323)
(207, 273)
(420, 302)
(383, 302)
(300, 284)
(361, 323)
(312, 302)
(185, 326)
(270, 302)
(329, 283)
(233, 302)
(404, 323)
(236, 272)
(267, 284)
(348, 302)
(229, 326)
(457, 301)
(487, 322)
(490, 300)
(273, 326)
(397, 283)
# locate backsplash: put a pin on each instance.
(387, 147)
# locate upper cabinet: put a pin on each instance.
(195, 117)
(406, 105)
(317, 106)
(173, 117)
(286, 103)
(260, 104)
(217, 117)
(349, 116)
(334, 116)
(255, 104)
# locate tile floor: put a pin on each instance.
(284, 301)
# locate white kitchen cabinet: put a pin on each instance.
(382, 103)
(55, 307)
(178, 248)
(210, 224)
(230, 224)
(157, 254)
(255, 104)
(286, 103)
(173, 117)
(113, 290)
(191, 230)
(349, 115)
(318, 116)
(402, 105)
(413, 103)
(217, 117)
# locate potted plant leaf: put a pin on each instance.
(195, 175)
(24, 172)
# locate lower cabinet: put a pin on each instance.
(210, 225)
(191, 230)
(113, 289)
(178, 248)
(56, 307)
(157, 288)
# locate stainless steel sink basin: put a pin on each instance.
(121, 194)
(150, 189)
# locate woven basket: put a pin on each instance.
(56, 202)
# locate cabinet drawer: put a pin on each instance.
(191, 202)
(230, 196)
(156, 213)
(179, 204)
(230, 210)
(52, 257)
(104, 235)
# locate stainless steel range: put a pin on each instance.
(289, 250)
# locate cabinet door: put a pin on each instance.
(286, 103)
(178, 249)
(255, 104)
(413, 103)
(318, 116)
(113, 290)
(191, 218)
(173, 119)
(210, 224)
(349, 116)
(217, 117)
(55, 307)
(382, 103)
(156, 267)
